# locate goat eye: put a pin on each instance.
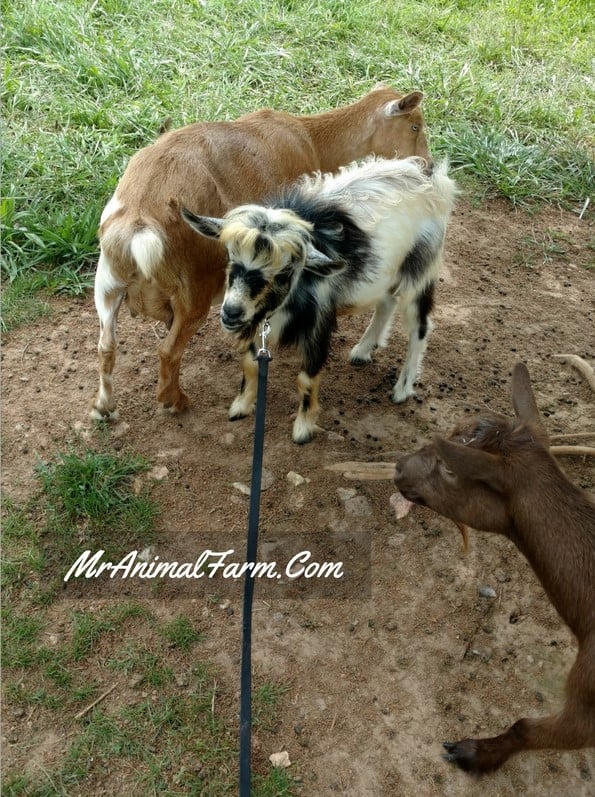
(415, 128)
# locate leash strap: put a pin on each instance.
(263, 356)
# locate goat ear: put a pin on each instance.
(321, 264)
(405, 105)
(523, 400)
(472, 464)
(205, 225)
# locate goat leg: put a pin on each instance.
(572, 729)
(244, 402)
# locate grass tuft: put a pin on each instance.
(508, 90)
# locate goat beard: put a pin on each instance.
(242, 338)
(402, 506)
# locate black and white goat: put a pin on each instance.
(370, 236)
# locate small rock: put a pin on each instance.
(158, 473)
(487, 592)
(228, 439)
(501, 576)
(182, 680)
(12, 737)
(485, 654)
(358, 506)
(280, 760)
(346, 493)
(18, 712)
(396, 539)
(295, 479)
(119, 430)
(146, 554)
(267, 479)
(241, 488)
(400, 505)
(391, 625)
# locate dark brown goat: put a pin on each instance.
(497, 475)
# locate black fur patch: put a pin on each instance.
(336, 233)
(418, 260)
(253, 279)
(425, 304)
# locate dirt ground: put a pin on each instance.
(405, 653)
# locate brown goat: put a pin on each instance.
(497, 475)
(164, 270)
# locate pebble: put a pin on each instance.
(295, 479)
(396, 539)
(267, 479)
(487, 592)
(501, 576)
(358, 506)
(159, 473)
(345, 493)
(485, 654)
(146, 554)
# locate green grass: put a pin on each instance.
(172, 730)
(90, 503)
(509, 96)
(180, 633)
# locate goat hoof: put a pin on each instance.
(103, 416)
(401, 398)
(463, 754)
(301, 441)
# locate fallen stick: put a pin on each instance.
(572, 451)
(364, 471)
(581, 365)
(577, 436)
(82, 713)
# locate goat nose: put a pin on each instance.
(231, 314)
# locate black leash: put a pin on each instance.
(263, 356)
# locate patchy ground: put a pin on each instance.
(408, 654)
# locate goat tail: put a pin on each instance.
(130, 247)
(444, 185)
(147, 249)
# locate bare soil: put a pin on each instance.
(405, 653)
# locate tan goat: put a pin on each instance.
(498, 475)
(151, 258)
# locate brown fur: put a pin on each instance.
(497, 475)
(210, 168)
